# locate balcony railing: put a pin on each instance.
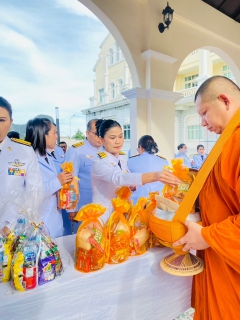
(188, 92)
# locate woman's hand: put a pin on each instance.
(71, 216)
(65, 177)
(168, 178)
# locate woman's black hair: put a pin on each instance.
(103, 126)
(6, 105)
(148, 144)
(35, 133)
(181, 146)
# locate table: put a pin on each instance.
(136, 289)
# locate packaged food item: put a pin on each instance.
(7, 258)
(118, 233)
(68, 196)
(139, 224)
(90, 239)
(177, 193)
(36, 258)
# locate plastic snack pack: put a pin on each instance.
(124, 193)
(33, 244)
(90, 239)
(176, 194)
(6, 236)
(68, 196)
(118, 233)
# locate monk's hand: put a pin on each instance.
(167, 177)
(193, 238)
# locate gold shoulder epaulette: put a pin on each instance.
(26, 143)
(102, 155)
(78, 144)
(122, 153)
(161, 157)
(195, 154)
(136, 155)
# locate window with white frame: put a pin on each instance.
(101, 92)
(117, 52)
(194, 132)
(110, 56)
(227, 72)
(126, 131)
(113, 90)
(120, 86)
(190, 81)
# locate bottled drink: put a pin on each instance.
(30, 251)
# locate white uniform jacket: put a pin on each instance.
(146, 162)
(52, 216)
(18, 169)
(58, 159)
(107, 176)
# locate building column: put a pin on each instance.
(126, 77)
(152, 112)
(205, 67)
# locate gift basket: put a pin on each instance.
(118, 233)
(68, 196)
(90, 239)
(35, 255)
(139, 224)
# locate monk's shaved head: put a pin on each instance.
(214, 86)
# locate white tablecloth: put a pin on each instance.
(136, 289)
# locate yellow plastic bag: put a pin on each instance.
(124, 193)
(177, 193)
(90, 239)
(118, 234)
(68, 196)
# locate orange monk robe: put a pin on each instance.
(216, 291)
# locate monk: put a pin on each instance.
(216, 291)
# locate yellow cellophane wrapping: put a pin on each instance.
(90, 239)
(63, 193)
(124, 193)
(7, 258)
(118, 234)
(177, 193)
(139, 224)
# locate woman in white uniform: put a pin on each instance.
(18, 163)
(42, 134)
(111, 171)
(146, 161)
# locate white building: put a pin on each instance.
(113, 77)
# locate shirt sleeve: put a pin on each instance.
(33, 176)
(102, 170)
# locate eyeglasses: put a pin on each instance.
(95, 133)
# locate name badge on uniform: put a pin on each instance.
(15, 170)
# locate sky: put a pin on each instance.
(47, 53)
